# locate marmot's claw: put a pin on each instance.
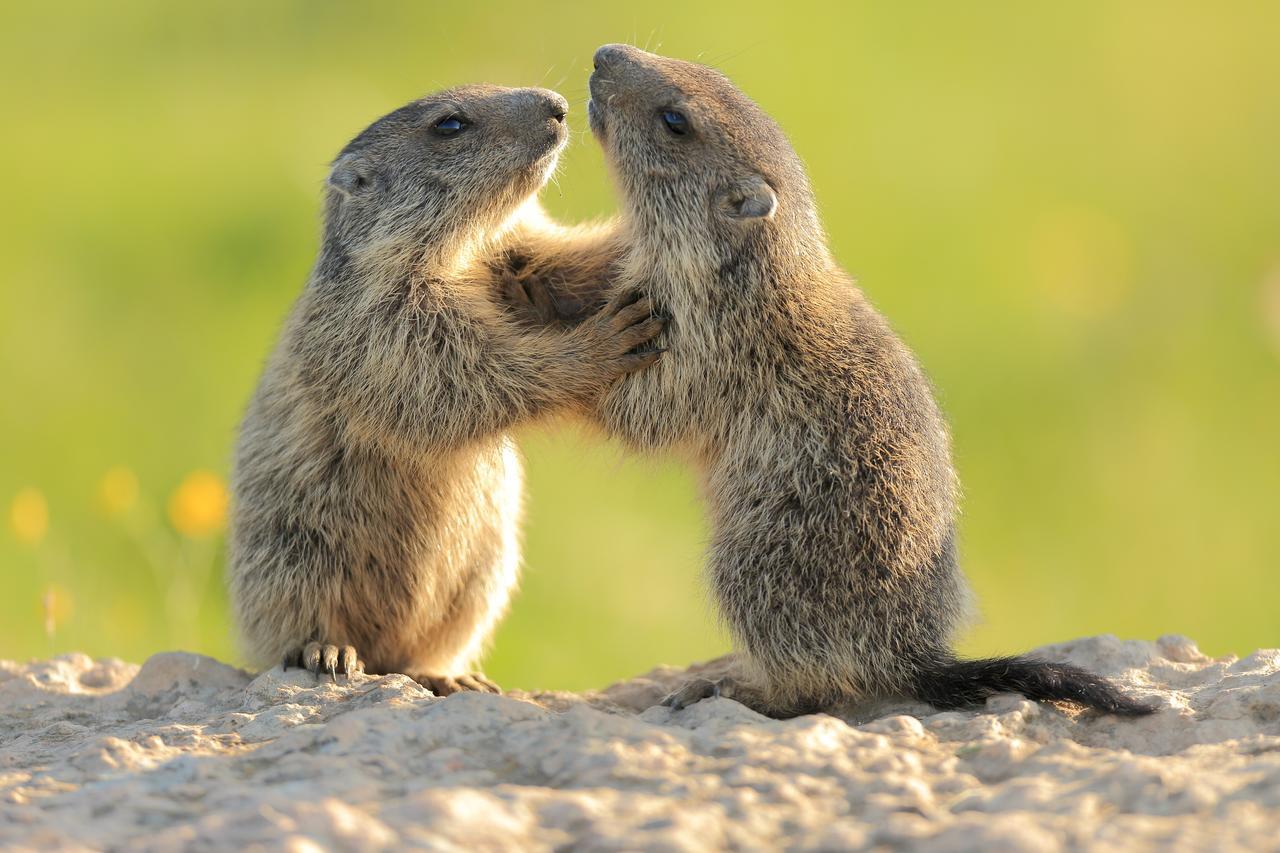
(478, 683)
(350, 662)
(325, 658)
(329, 657)
(311, 657)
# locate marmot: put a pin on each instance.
(825, 459)
(377, 493)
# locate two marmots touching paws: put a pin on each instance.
(378, 491)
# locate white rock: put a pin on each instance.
(187, 752)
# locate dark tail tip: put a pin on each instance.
(966, 683)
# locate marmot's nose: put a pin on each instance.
(553, 103)
(611, 55)
(558, 106)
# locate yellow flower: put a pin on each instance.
(57, 608)
(118, 491)
(29, 516)
(198, 508)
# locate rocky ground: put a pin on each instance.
(185, 752)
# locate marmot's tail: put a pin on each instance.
(964, 683)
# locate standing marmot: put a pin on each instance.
(825, 459)
(377, 492)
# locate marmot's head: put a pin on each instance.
(696, 157)
(443, 170)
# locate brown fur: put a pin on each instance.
(377, 489)
(825, 459)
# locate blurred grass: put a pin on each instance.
(1072, 213)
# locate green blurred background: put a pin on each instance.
(1070, 211)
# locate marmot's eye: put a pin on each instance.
(450, 126)
(675, 122)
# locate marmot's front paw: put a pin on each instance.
(621, 334)
(446, 685)
(726, 687)
(697, 690)
(739, 691)
(530, 298)
(321, 658)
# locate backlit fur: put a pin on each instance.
(377, 491)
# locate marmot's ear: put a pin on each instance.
(350, 175)
(751, 198)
